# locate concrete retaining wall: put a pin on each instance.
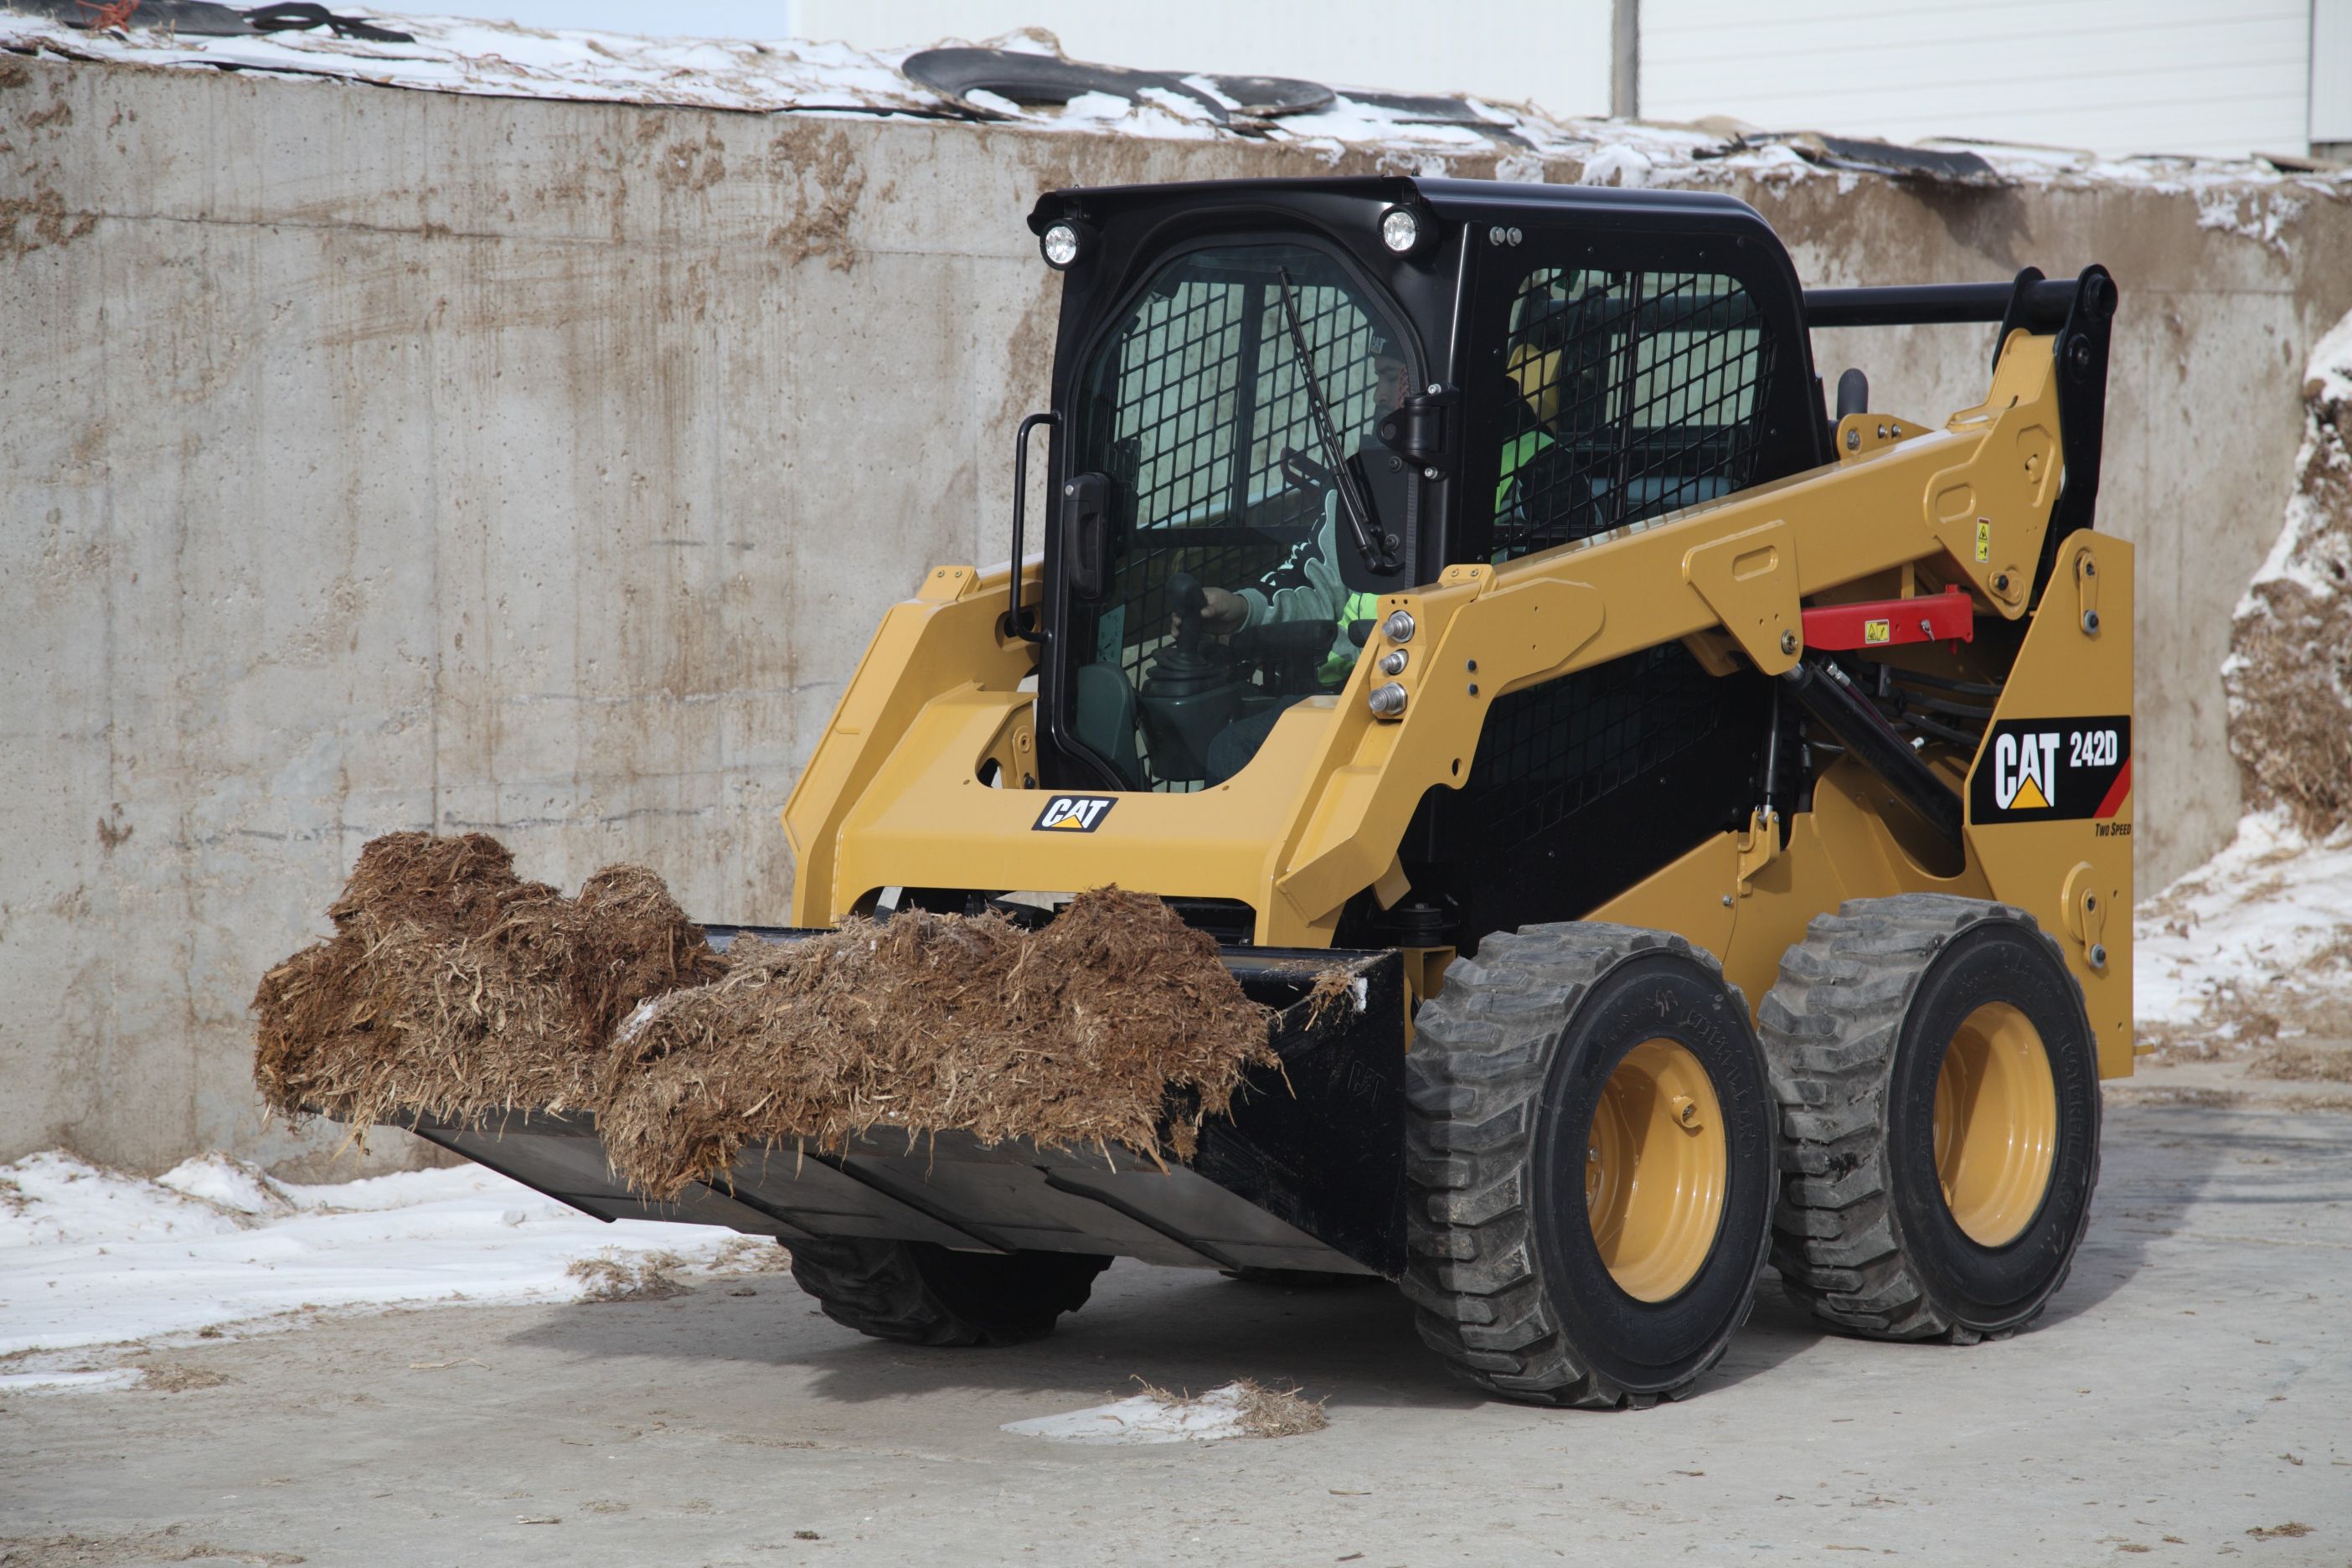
(374, 459)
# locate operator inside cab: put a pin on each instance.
(1227, 414)
(1306, 588)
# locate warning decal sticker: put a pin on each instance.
(2051, 770)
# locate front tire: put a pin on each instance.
(920, 1294)
(1939, 1090)
(1591, 1156)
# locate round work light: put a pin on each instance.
(1400, 230)
(1060, 243)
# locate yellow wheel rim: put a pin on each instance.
(1996, 1124)
(1655, 1171)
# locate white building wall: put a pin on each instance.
(1553, 52)
(2331, 72)
(2118, 76)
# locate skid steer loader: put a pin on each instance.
(1718, 809)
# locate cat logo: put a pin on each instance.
(2025, 771)
(2053, 770)
(1075, 813)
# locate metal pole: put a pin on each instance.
(1624, 59)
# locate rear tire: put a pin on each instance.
(917, 1293)
(1590, 1154)
(1939, 1095)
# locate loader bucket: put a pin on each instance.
(1308, 1174)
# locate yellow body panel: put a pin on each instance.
(2076, 877)
(894, 794)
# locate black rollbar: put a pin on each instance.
(2042, 304)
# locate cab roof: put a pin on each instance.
(1599, 208)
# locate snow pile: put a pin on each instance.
(1423, 133)
(91, 1257)
(2253, 944)
(1241, 1409)
(455, 54)
(2289, 677)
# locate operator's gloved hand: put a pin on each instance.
(1221, 611)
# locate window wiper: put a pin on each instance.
(1370, 543)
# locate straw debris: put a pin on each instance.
(1258, 1411)
(178, 1377)
(2294, 1061)
(1069, 1035)
(613, 1277)
(453, 988)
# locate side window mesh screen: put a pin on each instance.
(1629, 395)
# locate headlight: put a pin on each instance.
(1400, 230)
(1060, 244)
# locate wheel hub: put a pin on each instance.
(1996, 1124)
(1654, 1170)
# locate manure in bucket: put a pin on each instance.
(1070, 1035)
(453, 988)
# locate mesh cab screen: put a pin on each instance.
(1623, 395)
(1196, 407)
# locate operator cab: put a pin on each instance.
(1276, 401)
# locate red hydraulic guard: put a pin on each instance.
(1884, 623)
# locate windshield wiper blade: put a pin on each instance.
(1370, 542)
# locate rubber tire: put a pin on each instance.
(1856, 1030)
(1506, 1064)
(920, 1294)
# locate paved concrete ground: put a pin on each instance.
(2190, 1386)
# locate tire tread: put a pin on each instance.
(1829, 1027)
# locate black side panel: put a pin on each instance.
(1582, 786)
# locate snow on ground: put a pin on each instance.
(91, 1257)
(2269, 916)
(1241, 1409)
(1142, 1419)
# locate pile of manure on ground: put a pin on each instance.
(2289, 674)
(453, 988)
(1070, 1035)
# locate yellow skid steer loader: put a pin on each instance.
(1718, 809)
